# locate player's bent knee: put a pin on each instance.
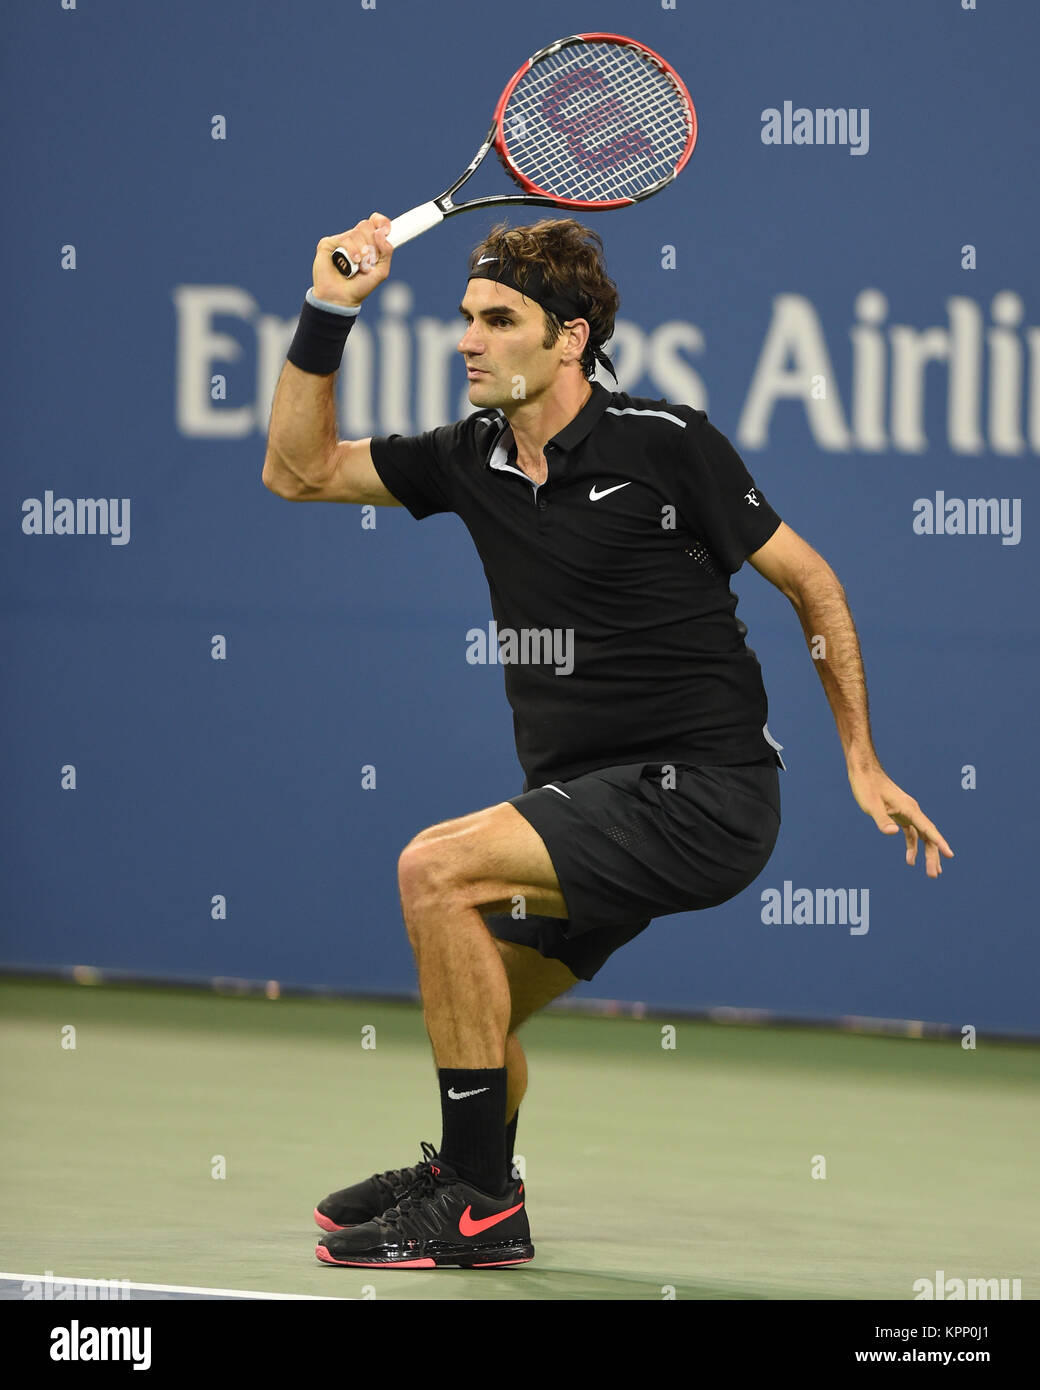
(416, 870)
(425, 874)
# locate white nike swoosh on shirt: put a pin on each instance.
(461, 1095)
(594, 496)
(484, 259)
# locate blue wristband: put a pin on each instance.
(317, 346)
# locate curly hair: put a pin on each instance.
(570, 259)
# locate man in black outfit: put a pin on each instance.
(609, 528)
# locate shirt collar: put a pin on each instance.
(572, 434)
(586, 419)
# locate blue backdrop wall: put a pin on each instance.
(863, 321)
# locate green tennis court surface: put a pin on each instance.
(647, 1169)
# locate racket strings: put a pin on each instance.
(600, 153)
(596, 122)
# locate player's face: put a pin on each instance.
(506, 360)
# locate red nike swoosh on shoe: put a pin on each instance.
(469, 1227)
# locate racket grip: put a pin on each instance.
(410, 224)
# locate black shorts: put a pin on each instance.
(628, 847)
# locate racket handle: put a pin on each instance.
(410, 224)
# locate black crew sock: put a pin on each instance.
(473, 1112)
(510, 1146)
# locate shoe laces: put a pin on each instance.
(394, 1179)
(406, 1217)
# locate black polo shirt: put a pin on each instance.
(628, 547)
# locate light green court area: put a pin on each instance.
(648, 1169)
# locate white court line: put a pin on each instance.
(165, 1288)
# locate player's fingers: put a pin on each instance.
(929, 831)
(911, 844)
(351, 242)
(919, 827)
(380, 245)
(931, 857)
(363, 250)
(357, 241)
(883, 818)
(375, 250)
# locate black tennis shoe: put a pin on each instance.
(352, 1206)
(441, 1221)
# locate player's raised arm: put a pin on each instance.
(305, 462)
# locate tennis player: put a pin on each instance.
(609, 528)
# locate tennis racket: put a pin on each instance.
(593, 121)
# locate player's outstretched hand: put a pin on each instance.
(891, 807)
(368, 248)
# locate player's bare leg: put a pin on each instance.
(465, 1208)
(448, 875)
(451, 875)
(516, 1073)
(534, 981)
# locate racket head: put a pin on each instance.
(595, 121)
